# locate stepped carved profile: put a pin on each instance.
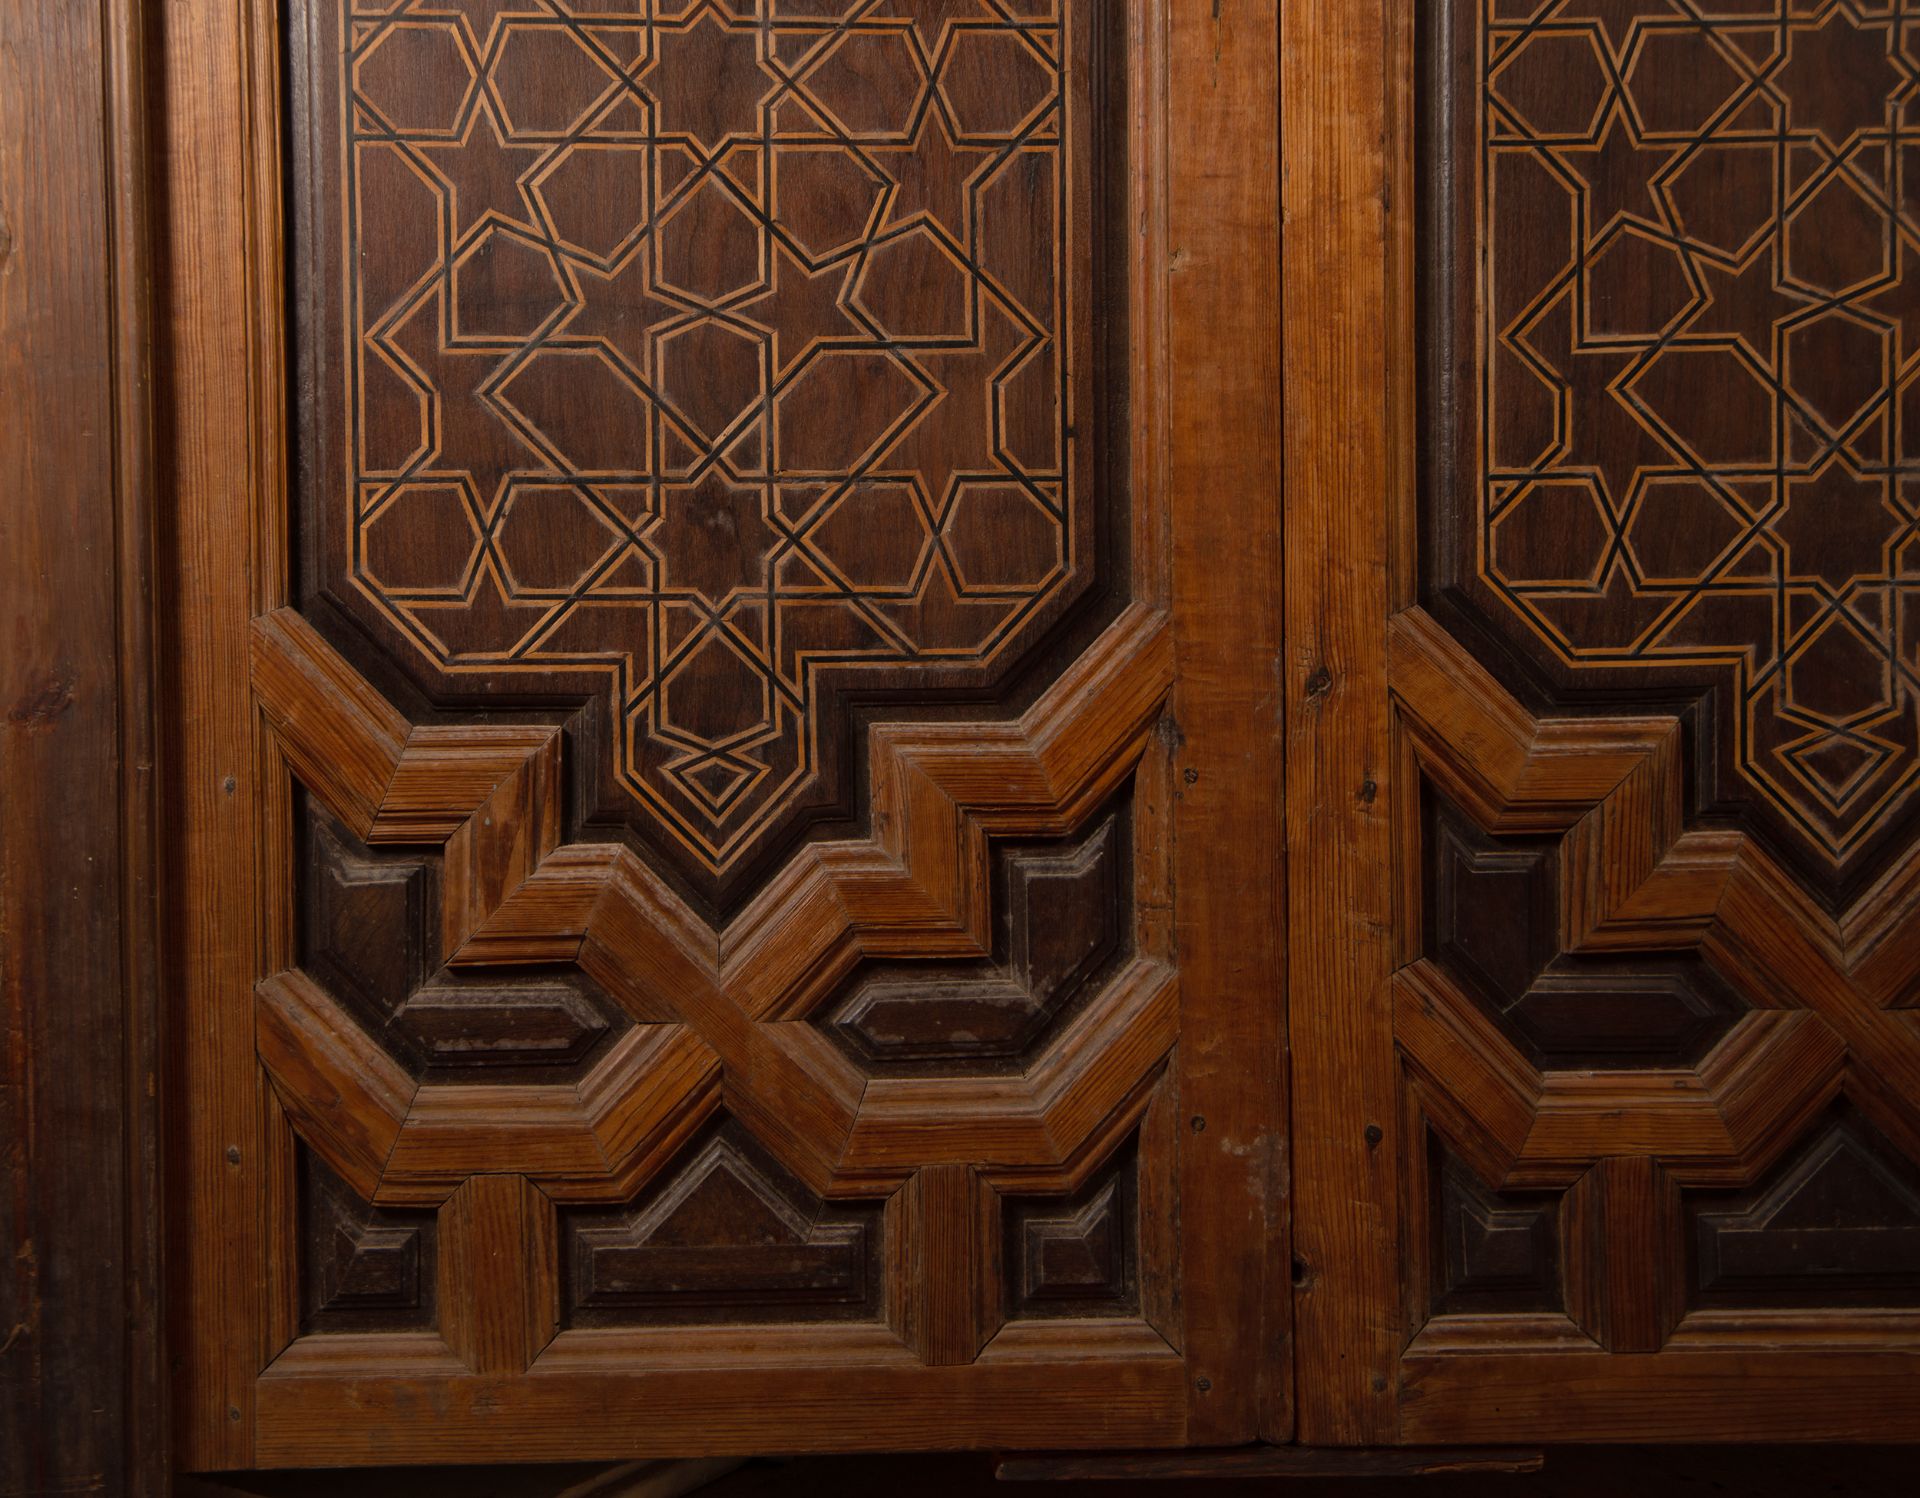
(1060, 914)
(726, 1236)
(1077, 1255)
(1838, 1223)
(1490, 1251)
(362, 1268)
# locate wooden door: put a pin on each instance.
(1601, 470)
(720, 593)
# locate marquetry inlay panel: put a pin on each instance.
(1676, 362)
(711, 362)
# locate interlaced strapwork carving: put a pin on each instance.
(711, 353)
(1699, 403)
(717, 1019)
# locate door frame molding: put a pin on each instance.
(80, 1349)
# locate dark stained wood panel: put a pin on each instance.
(1674, 450)
(1491, 1251)
(1062, 918)
(1613, 424)
(362, 1268)
(370, 934)
(1653, 875)
(1836, 1223)
(1076, 1255)
(1493, 922)
(721, 371)
(725, 1236)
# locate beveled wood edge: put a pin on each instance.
(920, 883)
(723, 1390)
(1723, 1122)
(1636, 878)
(1716, 1394)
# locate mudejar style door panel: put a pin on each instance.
(1624, 1072)
(723, 623)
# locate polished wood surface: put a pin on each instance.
(791, 977)
(1638, 1093)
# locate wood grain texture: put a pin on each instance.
(223, 466)
(770, 372)
(499, 1273)
(1342, 374)
(82, 1393)
(1637, 762)
(1224, 426)
(714, 1007)
(944, 1226)
(919, 887)
(1808, 1394)
(1624, 288)
(734, 1391)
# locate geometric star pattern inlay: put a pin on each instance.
(707, 347)
(1699, 390)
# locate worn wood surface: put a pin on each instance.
(1609, 1102)
(1336, 72)
(565, 1038)
(81, 1401)
(1223, 309)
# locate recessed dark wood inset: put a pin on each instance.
(1836, 1224)
(1493, 923)
(363, 1268)
(1492, 1250)
(719, 364)
(1062, 917)
(1076, 1255)
(370, 936)
(728, 1235)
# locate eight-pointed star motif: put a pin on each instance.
(933, 177)
(711, 537)
(1837, 77)
(785, 364)
(485, 175)
(706, 81)
(1618, 177)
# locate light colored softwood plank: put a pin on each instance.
(1339, 317)
(499, 1287)
(739, 1392)
(225, 460)
(1224, 431)
(943, 1237)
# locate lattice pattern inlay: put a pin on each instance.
(1700, 338)
(710, 349)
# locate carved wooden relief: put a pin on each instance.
(362, 1268)
(711, 749)
(727, 1235)
(1674, 328)
(736, 367)
(1835, 1224)
(1655, 1056)
(1489, 1251)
